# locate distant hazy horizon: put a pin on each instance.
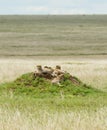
(59, 7)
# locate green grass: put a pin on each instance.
(27, 84)
(26, 93)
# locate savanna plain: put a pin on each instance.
(78, 43)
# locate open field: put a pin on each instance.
(78, 44)
(33, 36)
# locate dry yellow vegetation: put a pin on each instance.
(82, 120)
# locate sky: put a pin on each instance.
(53, 7)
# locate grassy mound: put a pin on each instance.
(27, 84)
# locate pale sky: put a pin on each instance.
(53, 6)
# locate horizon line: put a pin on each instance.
(57, 14)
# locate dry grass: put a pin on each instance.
(82, 120)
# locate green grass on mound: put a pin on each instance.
(27, 93)
(27, 84)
